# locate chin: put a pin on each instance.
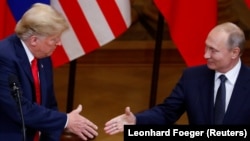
(48, 54)
(211, 66)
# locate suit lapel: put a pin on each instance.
(21, 54)
(207, 96)
(239, 95)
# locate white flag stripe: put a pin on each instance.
(70, 42)
(124, 6)
(96, 21)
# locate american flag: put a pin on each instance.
(93, 23)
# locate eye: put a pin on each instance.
(213, 50)
(55, 40)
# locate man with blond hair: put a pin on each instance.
(37, 34)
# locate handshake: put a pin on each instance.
(85, 129)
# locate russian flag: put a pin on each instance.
(11, 11)
(189, 22)
(92, 23)
(247, 3)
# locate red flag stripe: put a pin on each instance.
(124, 6)
(71, 48)
(6, 27)
(97, 21)
(247, 3)
(79, 24)
(89, 28)
(70, 42)
(113, 17)
(189, 24)
(3, 6)
(59, 57)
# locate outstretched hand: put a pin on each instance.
(80, 125)
(116, 124)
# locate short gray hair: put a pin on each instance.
(236, 36)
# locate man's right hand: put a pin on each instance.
(116, 124)
(80, 125)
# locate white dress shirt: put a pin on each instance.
(231, 79)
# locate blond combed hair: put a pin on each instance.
(41, 19)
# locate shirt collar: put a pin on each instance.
(29, 54)
(232, 74)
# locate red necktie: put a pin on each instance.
(36, 80)
(34, 69)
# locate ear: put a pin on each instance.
(236, 52)
(33, 40)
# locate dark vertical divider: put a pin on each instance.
(71, 86)
(156, 62)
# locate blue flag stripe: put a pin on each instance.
(18, 7)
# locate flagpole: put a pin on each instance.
(66, 135)
(156, 63)
(71, 86)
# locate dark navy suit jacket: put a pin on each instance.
(45, 118)
(194, 93)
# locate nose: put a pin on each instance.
(206, 54)
(58, 42)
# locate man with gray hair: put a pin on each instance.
(224, 78)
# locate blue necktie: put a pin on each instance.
(219, 107)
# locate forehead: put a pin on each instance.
(51, 37)
(54, 36)
(217, 37)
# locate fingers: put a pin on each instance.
(113, 128)
(112, 121)
(118, 118)
(91, 127)
(89, 132)
(88, 128)
(114, 125)
(84, 130)
(80, 125)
